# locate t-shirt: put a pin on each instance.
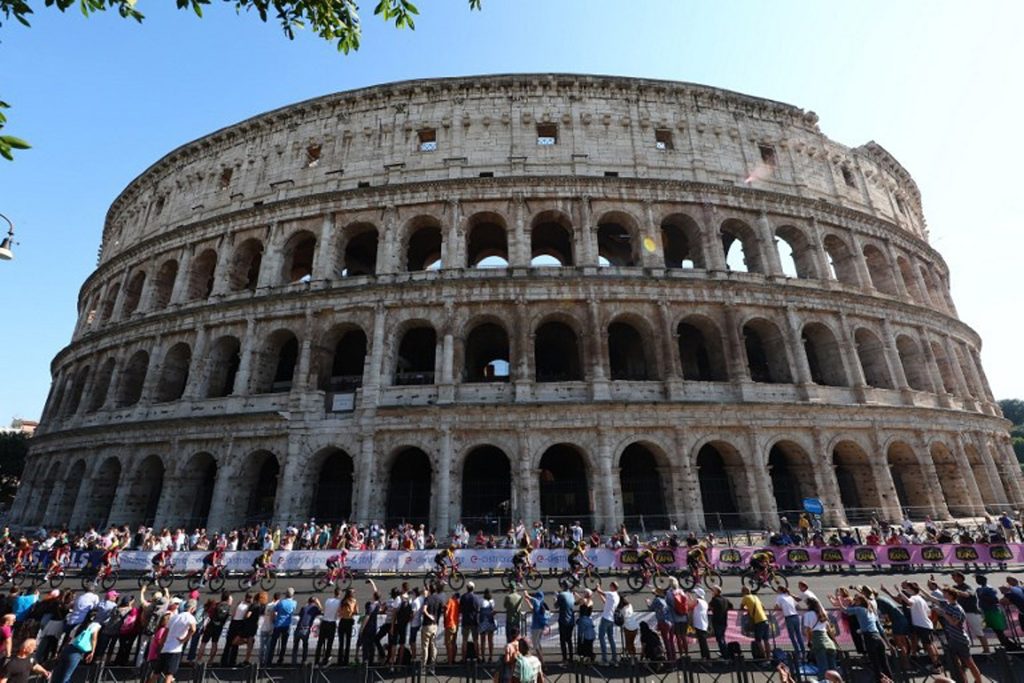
(17, 669)
(83, 641)
(700, 614)
(434, 607)
(177, 628)
(955, 627)
(755, 610)
(83, 604)
(787, 604)
(331, 606)
(417, 611)
(469, 608)
(812, 621)
(283, 613)
(527, 668)
(611, 602)
(566, 603)
(920, 613)
(240, 611)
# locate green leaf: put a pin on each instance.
(15, 143)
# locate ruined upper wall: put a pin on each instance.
(490, 125)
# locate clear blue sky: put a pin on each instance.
(936, 83)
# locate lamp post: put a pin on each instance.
(6, 252)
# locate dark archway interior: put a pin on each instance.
(643, 493)
(416, 355)
(284, 370)
(245, 266)
(564, 491)
(487, 354)
(550, 240)
(487, 490)
(626, 353)
(204, 472)
(132, 379)
(614, 245)
(100, 386)
(299, 253)
(409, 488)
(681, 244)
(716, 490)
(333, 500)
(347, 363)
(424, 249)
(103, 490)
(264, 494)
(700, 361)
(225, 358)
(361, 254)
(556, 353)
(163, 286)
(785, 484)
(174, 373)
(488, 246)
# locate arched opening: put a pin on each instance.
(934, 295)
(100, 386)
(424, 246)
(487, 490)
(174, 373)
(195, 493)
(245, 266)
(858, 488)
(564, 486)
(556, 353)
(986, 486)
(133, 294)
(132, 379)
(263, 488)
(409, 487)
(200, 280)
(297, 258)
(953, 481)
(163, 285)
(107, 309)
(700, 350)
(627, 354)
(965, 369)
(101, 497)
(824, 358)
(880, 271)
(143, 496)
(275, 365)
(792, 476)
(360, 256)
(615, 243)
(487, 354)
(766, 352)
(74, 398)
(343, 369)
(487, 242)
(945, 369)
(682, 242)
(69, 495)
(841, 263)
(417, 353)
(871, 354)
(740, 247)
(721, 476)
(333, 499)
(796, 257)
(643, 492)
(914, 366)
(225, 358)
(909, 281)
(909, 480)
(551, 240)
(44, 490)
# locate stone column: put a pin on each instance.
(891, 507)
(736, 355)
(519, 249)
(938, 384)
(115, 380)
(893, 356)
(389, 259)
(272, 261)
(958, 372)
(325, 266)
(671, 365)
(598, 351)
(964, 465)
(817, 246)
(826, 483)
(714, 257)
(366, 465)
(227, 507)
(456, 238)
(796, 349)
(179, 294)
(115, 313)
(772, 262)
(288, 509)
(991, 471)
(650, 234)
(528, 479)
(1010, 472)
(848, 347)
(981, 375)
(586, 235)
(760, 484)
(937, 497)
(300, 379)
(861, 263)
(248, 348)
(687, 494)
(200, 366)
(443, 525)
(901, 286)
(157, 351)
(606, 485)
(374, 379)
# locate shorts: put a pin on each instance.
(959, 650)
(212, 632)
(924, 635)
(680, 627)
(168, 663)
(975, 625)
(761, 631)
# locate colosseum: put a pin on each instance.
(525, 296)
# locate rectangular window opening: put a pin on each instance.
(547, 134)
(363, 183)
(847, 176)
(663, 139)
(768, 154)
(486, 174)
(312, 156)
(427, 140)
(901, 207)
(225, 178)
(611, 174)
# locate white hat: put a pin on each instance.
(699, 592)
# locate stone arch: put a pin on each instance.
(359, 255)
(78, 384)
(141, 498)
(871, 356)
(945, 368)
(100, 386)
(44, 491)
(332, 484)
(133, 293)
(201, 276)
(980, 472)
(274, 366)
(163, 284)
(68, 498)
(410, 481)
(859, 490)
(173, 373)
(800, 261)
(909, 281)
(486, 356)
(556, 352)
(617, 240)
(101, 498)
(933, 292)
(953, 480)
(551, 239)
(246, 261)
(792, 476)
(565, 485)
(342, 358)
(682, 242)
(909, 480)
(109, 300)
(192, 494)
(133, 378)
(841, 261)
(416, 357)
(722, 478)
(486, 489)
(824, 357)
(631, 353)
(914, 366)
(747, 256)
(262, 480)
(297, 256)
(424, 244)
(973, 390)
(643, 486)
(486, 241)
(225, 357)
(880, 270)
(701, 352)
(765, 346)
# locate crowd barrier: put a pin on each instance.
(471, 560)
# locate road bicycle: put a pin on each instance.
(586, 575)
(340, 577)
(106, 577)
(213, 577)
(692, 575)
(641, 576)
(448, 575)
(756, 579)
(527, 575)
(163, 577)
(263, 577)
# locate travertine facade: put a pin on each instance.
(524, 295)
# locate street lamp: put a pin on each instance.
(6, 253)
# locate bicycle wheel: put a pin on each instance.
(19, 578)
(752, 582)
(712, 580)
(344, 581)
(217, 584)
(662, 581)
(145, 580)
(779, 581)
(533, 580)
(686, 580)
(194, 581)
(508, 581)
(456, 580)
(569, 578)
(321, 583)
(57, 580)
(109, 581)
(165, 581)
(245, 582)
(267, 583)
(636, 581)
(592, 580)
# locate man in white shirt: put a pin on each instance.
(805, 593)
(606, 630)
(328, 628)
(83, 605)
(699, 621)
(786, 603)
(180, 630)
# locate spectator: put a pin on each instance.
(663, 621)
(328, 629)
(416, 620)
(487, 626)
(823, 648)
(565, 603)
(719, 607)
(528, 668)
(786, 604)
(451, 626)
(954, 624)
(759, 620)
(347, 612)
(218, 612)
(870, 630)
(650, 644)
(679, 612)
(538, 619)
(606, 629)
(304, 626)
(630, 626)
(513, 615)
(180, 628)
(920, 618)
(585, 631)
(21, 667)
(699, 621)
(469, 613)
(266, 629)
(432, 613)
(988, 603)
(80, 647)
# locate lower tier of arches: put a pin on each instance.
(707, 467)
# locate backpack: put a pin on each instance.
(404, 613)
(679, 603)
(153, 616)
(221, 613)
(112, 624)
(618, 618)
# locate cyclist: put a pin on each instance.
(108, 559)
(161, 561)
(445, 560)
(761, 561)
(60, 555)
(645, 558)
(263, 561)
(697, 559)
(521, 560)
(336, 562)
(214, 558)
(23, 558)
